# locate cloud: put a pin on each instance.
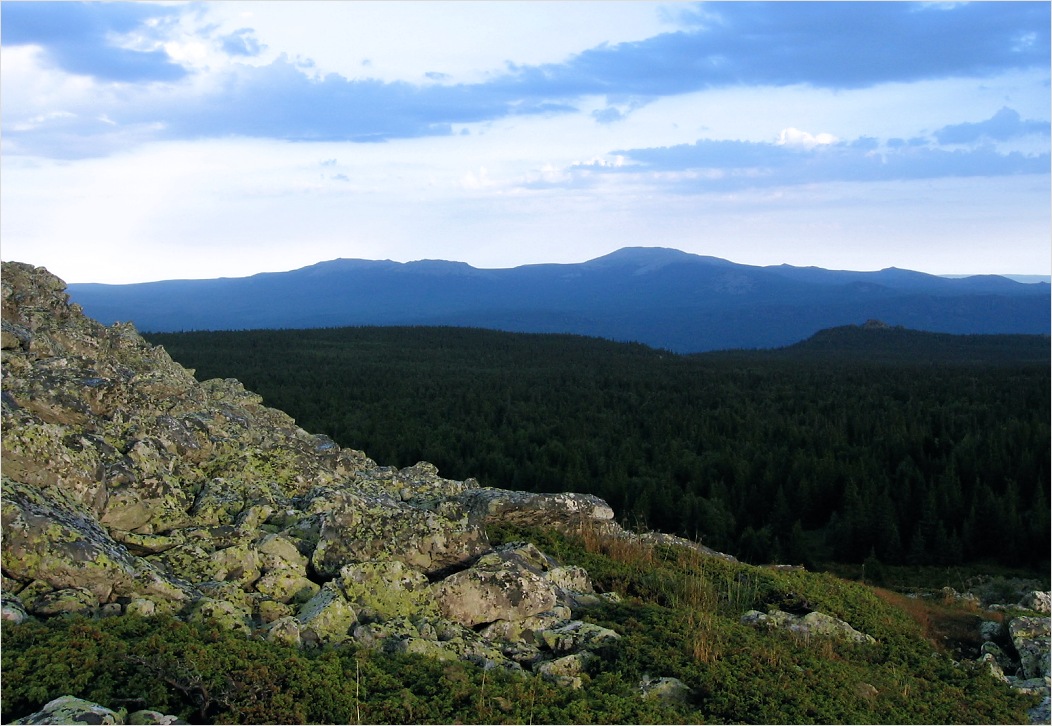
(242, 43)
(1003, 125)
(836, 45)
(802, 139)
(726, 165)
(833, 45)
(608, 115)
(278, 101)
(93, 39)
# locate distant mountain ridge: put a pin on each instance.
(662, 297)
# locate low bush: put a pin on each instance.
(680, 616)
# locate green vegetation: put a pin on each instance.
(680, 617)
(899, 447)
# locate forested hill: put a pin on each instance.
(661, 297)
(910, 447)
(876, 341)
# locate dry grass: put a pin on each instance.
(950, 625)
(620, 549)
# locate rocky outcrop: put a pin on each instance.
(1023, 661)
(1038, 601)
(1030, 636)
(70, 710)
(130, 487)
(813, 624)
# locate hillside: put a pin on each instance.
(173, 544)
(878, 342)
(661, 297)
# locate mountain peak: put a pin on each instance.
(649, 258)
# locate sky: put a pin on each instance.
(147, 141)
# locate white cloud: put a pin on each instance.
(801, 139)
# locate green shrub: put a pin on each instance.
(680, 617)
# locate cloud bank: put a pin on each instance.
(837, 46)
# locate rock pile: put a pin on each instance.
(130, 487)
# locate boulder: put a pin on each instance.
(223, 612)
(809, 625)
(990, 630)
(285, 630)
(357, 528)
(576, 635)
(558, 511)
(997, 660)
(286, 586)
(12, 610)
(479, 596)
(666, 690)
(66, 601)
(1038, 601)
(70, 710)
(527, 630)
(327, 617)
(387, 589)
(279, 552)
(566, 671)
(146, 718)
(1030, 636)
(49, 538)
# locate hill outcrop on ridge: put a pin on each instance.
(128, 486)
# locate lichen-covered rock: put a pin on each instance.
(666, 690)
(356, 528)
(576, 635)
(570, 579)
(70, 710)
(1030, 636)
(66, 601)
(387, 589)
(811, 624)
(12, 610)
(327, 617)
(223, 612)
(478, 596)
(990, 629)
(518, 555)
(49, 538)
(566, 671)
(997, 660)
(146, 717)
(285, 630)
(270, 610)
(527, 630)
(238, 563)
(563, 510)
(1038, 601)
(993, 665)
(286, 586)
(279, 552)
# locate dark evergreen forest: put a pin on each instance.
(913, 448)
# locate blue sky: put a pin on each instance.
(150, 141)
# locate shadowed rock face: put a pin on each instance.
(129, 486)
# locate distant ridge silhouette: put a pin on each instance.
(662, 297)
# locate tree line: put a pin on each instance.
(818, 453)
